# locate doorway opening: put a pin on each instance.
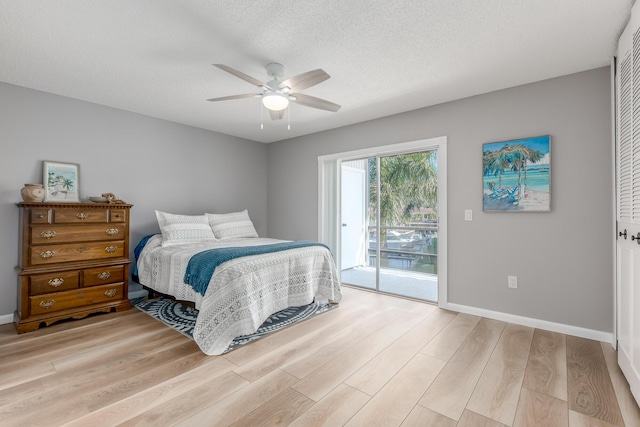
(396, 192)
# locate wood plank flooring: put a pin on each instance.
(375, 361)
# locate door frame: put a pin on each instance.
(329, 196)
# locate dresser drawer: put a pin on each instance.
(103, 275)
(53, 282)
(77, 298)
(40, 216)
(79, 215)
(117, 215)
(46, 234)
(53, 254)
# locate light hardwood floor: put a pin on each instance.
(375, 361)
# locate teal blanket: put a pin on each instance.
(202, 265)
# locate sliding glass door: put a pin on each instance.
(390, 224)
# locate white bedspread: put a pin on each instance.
(242, 292)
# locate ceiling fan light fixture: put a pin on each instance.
(275, 101)
(276, 94)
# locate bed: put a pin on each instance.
(242, 290)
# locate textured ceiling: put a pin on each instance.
(154, 56)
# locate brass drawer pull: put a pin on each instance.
(47, 254)
(110, 249)
(48, 234)
(112, 231)
(40, 216)
(110, 292)
(56, 282)
(80, 294)
(81, 249)
(104, 275)
(81, 215)
(48, 303)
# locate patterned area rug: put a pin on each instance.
(182, 318)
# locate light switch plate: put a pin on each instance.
(468, 215)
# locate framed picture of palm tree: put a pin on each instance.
(61, 181)
(517, 175)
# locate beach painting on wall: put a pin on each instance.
(61, 181)
(517, 175)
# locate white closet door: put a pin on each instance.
(628, 201)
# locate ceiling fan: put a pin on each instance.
(277, 94)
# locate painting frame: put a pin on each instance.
(61, 181)
(516, 175)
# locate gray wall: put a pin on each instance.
(563, 259)
(151, 163)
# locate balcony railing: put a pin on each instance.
(411, 247)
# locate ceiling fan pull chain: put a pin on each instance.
(289, 118)
(261, 116)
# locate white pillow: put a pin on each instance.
(232, 225)
(182, 229)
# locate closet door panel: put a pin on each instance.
(627, 108)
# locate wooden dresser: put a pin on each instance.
(74, 261)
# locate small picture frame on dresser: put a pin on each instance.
(61, 182)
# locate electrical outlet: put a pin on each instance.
(512, 282)
(468, 215)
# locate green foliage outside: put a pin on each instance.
(407, 183)
(408, 196)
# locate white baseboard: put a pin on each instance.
(6, 318)
(531, 322)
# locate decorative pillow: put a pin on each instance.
(232, 225)
(182, 229)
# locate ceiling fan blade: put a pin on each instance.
(313, 102)
(276, 115)
(227, 98)
(305, 80)
(240, 75)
